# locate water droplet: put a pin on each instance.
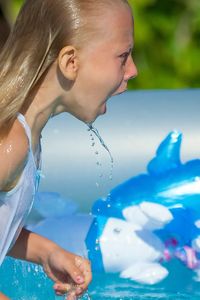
(9, 149)
(95, 131)
(36, 268)
(29, 269)
(86, 296)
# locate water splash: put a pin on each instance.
(94, 131)
(85, 296)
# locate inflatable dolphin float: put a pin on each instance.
(144, 222)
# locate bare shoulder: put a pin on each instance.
(13, 155)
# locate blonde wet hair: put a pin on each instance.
(42, 29)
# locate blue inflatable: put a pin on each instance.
(168, 182)
(144, 222)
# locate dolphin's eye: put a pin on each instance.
(117, 230)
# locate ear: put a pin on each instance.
(68, 62)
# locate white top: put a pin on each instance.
(16, 204)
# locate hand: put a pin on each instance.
(71, 273)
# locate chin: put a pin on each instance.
(92, 116)
(103, 109)
(88, 119)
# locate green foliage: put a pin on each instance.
(14, 8)
(167, 43)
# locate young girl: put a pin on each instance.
(61, 56)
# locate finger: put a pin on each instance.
(85, 268)
(80, 273)
(75, 272)
(79, 290)
(79, 261)
(62, 288)
(71, 296)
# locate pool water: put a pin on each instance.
(25, 281)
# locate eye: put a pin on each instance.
(124, 57)
(116, 230)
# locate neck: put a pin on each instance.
(44, 104)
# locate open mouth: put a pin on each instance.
(123, 91)
(119, 93)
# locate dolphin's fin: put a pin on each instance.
(167, 154)
(148, 215)
(145, 272)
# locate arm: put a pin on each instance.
(31, 247)
(63, 267)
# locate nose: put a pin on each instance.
(131, 70)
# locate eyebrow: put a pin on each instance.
(130, 46)
(130, 49)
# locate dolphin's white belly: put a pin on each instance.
(123, 244)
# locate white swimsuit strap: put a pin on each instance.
(37, 156)
(27, 129)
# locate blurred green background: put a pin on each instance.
(167, 42)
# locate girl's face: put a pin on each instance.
(105, 65)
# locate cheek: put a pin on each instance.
(114, 76)
(119, 84)
(102, 79)
(119, 73)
